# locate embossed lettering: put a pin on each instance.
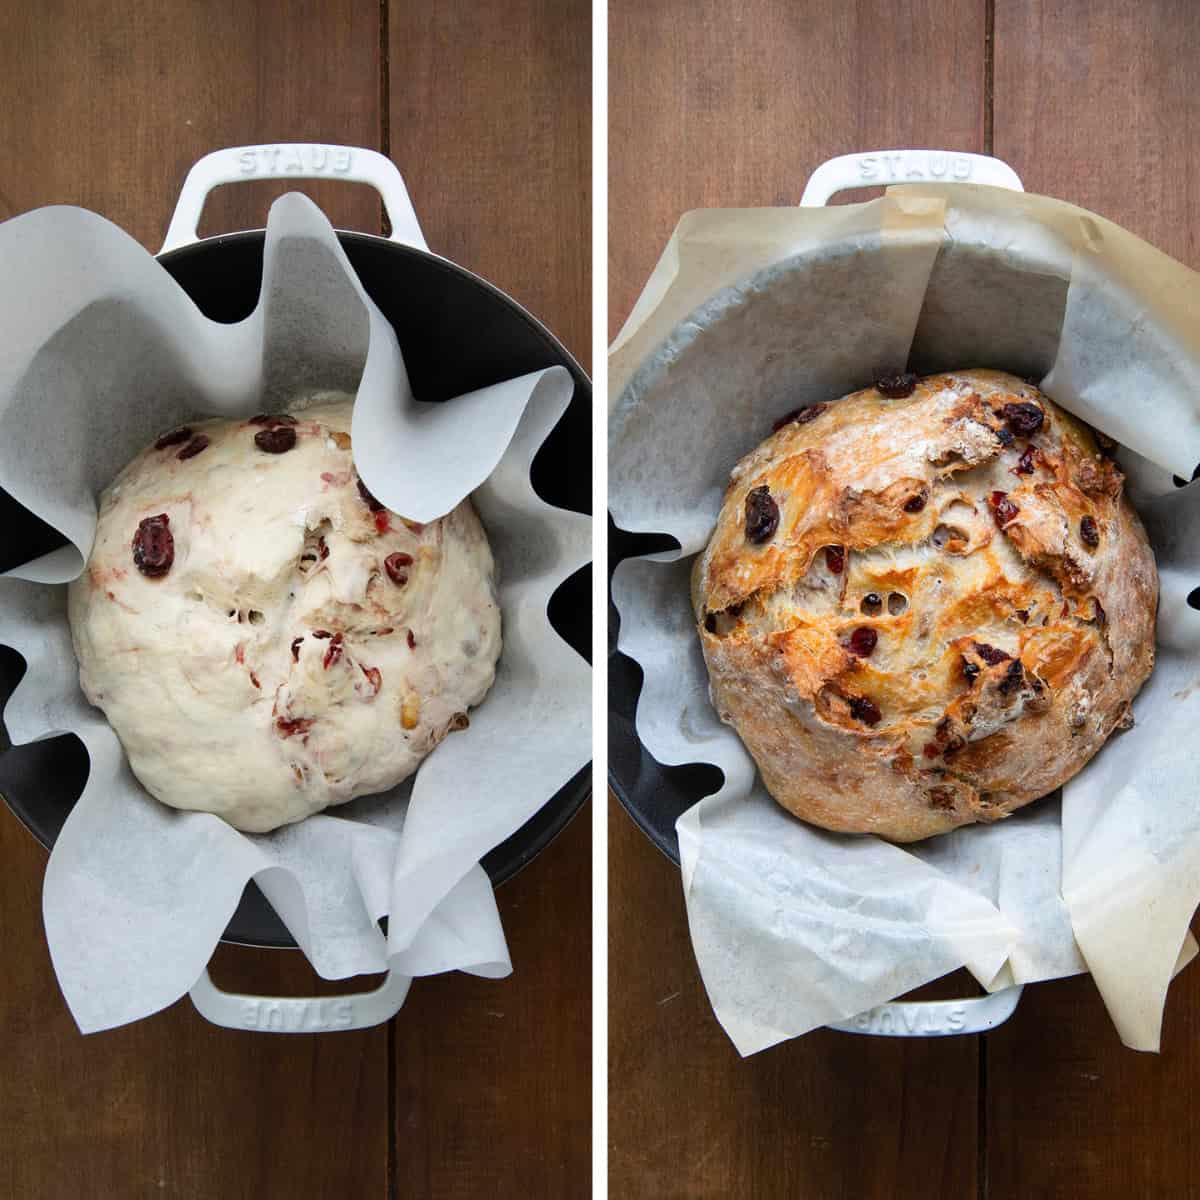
(246, 162)
(866, 167)
(293, 161)
(250, 1014)
(938, 165)
(956, 1018)
(270, 155)
(320, 156)
(341, 159)
(961, 168)
(343, 1014)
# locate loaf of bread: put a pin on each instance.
(925, 604)
(263, 635)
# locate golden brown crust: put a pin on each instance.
(1002, 588)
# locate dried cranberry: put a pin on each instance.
(897, 387)
(990, 654)
(835, 559)
(334, 652)
(1003, 509)
(1100, 616)
(368, 499)
(287, 726)
(412, 641)
(1089, 533)
(1013, 677)
(801, 416)
(272, 419)
(762, 515)
(254, 680)
(382, 524)
(153, 546)
(1025, 463)
(864, 709)
(198, 443)
(174, 438)
(915, 503)
(970, 670)
(710, 623)
(394, 564)
(322, 549)
(321, 633)
(1024, 418)
(375, 676)
(296, 649)
(1005, 437)
(277, 440)
(862, 641)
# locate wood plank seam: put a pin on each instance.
(989, 75)
(385, 101)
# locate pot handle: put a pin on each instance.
(294, 1014)
(294, 160)
(934, 1018)
(877, 168)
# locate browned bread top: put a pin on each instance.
(928, 608)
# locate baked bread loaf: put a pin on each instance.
(925, 604)
(265, 638)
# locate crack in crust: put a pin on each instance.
(1006, 643)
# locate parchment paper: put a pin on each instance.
(102, 350)
(751, 313)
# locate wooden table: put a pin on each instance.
(725, 103)
(477, 1088)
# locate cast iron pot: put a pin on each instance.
(458, 333)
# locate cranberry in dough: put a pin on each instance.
(303, 645)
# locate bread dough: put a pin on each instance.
(278, 666)
(938, 609)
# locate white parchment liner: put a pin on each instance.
(751, 313)
(102, 350)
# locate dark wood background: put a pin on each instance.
(725, 103)
(477, 1088)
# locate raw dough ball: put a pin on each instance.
(265, 639)
(926, 604)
